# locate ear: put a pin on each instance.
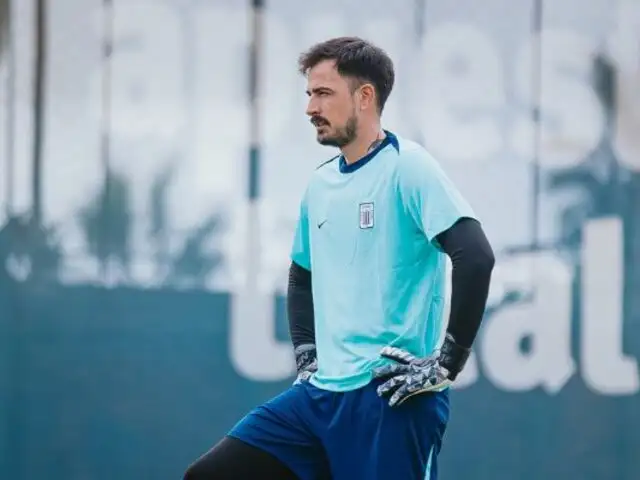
(367, 96)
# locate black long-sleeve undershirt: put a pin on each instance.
(300, 306)
(472, 260)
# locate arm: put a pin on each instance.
(300, 298)
(301, 319)
(300, 306)
(449, 223)
(472, 260)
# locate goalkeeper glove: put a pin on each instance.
(411, 375)
(306, 362)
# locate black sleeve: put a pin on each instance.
(300, 306)
(472, 259)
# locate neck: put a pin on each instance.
(364, 142)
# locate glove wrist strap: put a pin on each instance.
(305, 355)
(453, 356)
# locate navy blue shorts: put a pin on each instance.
(349, 435)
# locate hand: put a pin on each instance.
(410, 376)
(306, 362)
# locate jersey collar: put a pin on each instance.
(389, 139)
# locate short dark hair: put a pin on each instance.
(355, 58)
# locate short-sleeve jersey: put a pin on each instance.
(367, 232)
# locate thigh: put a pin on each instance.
(285, 427)
(232, 459)
(378, 442)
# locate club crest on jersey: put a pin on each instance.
(366, 215)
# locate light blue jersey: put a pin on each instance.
(367, 233)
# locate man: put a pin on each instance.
(365, 298)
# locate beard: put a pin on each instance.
(341, 136)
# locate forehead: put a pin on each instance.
(325, 74)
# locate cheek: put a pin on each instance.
(337, 112)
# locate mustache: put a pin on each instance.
(319, 121)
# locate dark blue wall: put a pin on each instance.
(119, 383)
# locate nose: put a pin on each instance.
(312, 107)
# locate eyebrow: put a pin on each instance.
(319, 89)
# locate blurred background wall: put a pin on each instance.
(152, 156)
